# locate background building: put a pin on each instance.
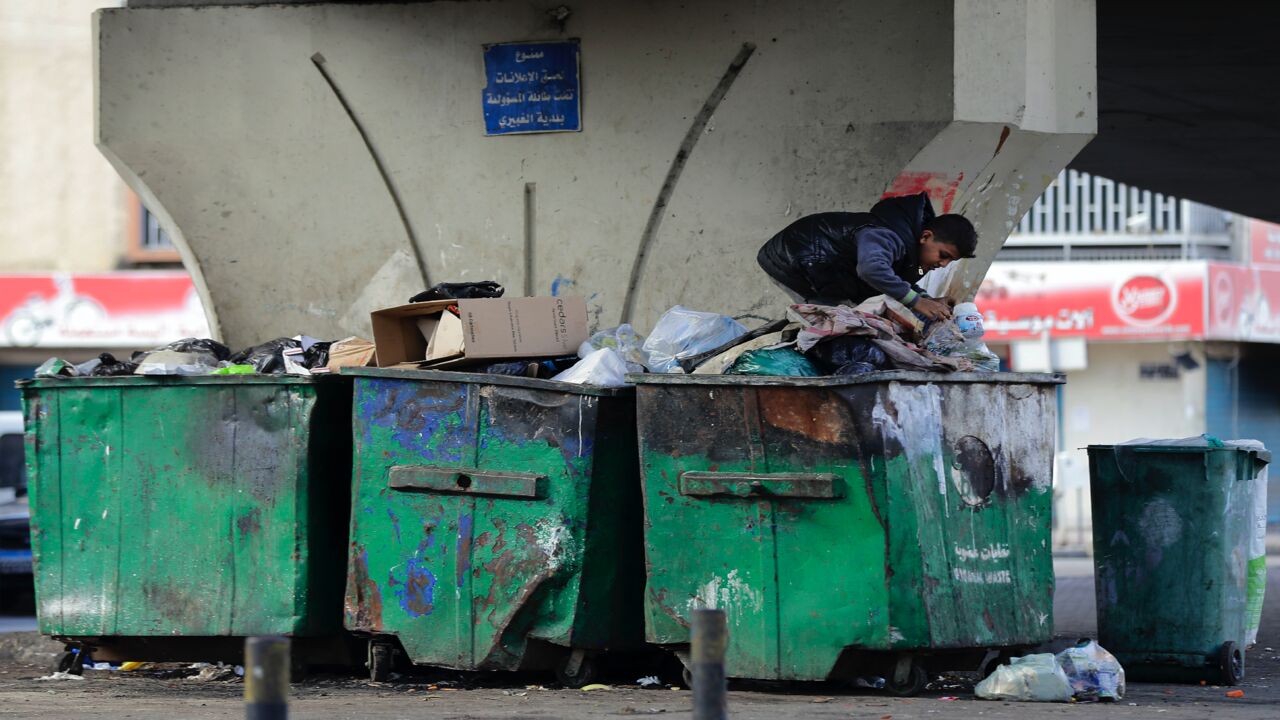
(84, 268)
(1163, 313)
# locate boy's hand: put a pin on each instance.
(932, 309)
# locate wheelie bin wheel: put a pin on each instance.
(380, 656)
(915, 681)
(572, 678)
(686, 674)
(70, 661)
(989, 664)
(1230, 664)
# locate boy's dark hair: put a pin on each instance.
(955, 230)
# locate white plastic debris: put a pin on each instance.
(683, 333)
(61, 676)
(649, 681)
(1036, 678)
(1094, 673)
(602, 368)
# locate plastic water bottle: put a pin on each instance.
(968, 320)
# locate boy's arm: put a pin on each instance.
(878, 249)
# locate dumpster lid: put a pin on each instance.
(168, 380)
(841, 380)
(487, 379)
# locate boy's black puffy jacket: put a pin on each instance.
(817, 255)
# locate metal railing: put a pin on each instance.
(1084, 217)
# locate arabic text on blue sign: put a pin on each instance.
(532, 87)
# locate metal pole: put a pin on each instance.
(710, 639)
(266, 678)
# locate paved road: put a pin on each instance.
(149, 697)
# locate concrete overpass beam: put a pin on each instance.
(302, 199)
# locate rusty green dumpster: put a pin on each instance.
(495, 522)
(171, 516)
(1171, 528)
(885, 523)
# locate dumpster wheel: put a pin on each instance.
(71, 660)
(910, 686)
(1230, 664)
(576, 670)
(381, 656)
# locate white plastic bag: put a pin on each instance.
(682, 333)
(171, 362)
(1256, 569)
(602, 368)
(624, 339)
(948, 339)
(1034, 677)
(1094, 673)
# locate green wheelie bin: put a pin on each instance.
(171, 517)
(495, 522)
(1171, 528)
(885, 523)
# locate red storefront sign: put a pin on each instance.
(1102, 301)
(109, 310)
(1264, 242)
(1244, 303)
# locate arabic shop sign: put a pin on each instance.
(531, 88)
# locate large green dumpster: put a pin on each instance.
(1171, 529)
(495, 522)
(172, 516)
(879, 523)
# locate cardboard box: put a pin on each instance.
(427, 334)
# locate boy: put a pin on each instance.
(835, 257)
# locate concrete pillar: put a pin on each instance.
(707, 127)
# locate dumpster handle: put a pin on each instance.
(464, 481)
(814, 486)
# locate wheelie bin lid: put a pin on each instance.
(487, 379)
(1195, 444)
(1009, 378)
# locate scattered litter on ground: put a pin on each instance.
(1034, 678)
(1094, 673)
(1235, 693)
(214, 673)
(649, 681)
(61, 676)
(595, 686)
(822, 700)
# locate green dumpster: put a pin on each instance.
(171, 517)
(495, 522)
(1171, 528)
(880, 524)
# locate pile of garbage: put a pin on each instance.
(813, 340)
(300, 355)
(1083, 672)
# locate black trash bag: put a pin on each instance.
(200, 345)
(266, 358)
(111, 367)
(460, 291)
(316, 356)
(835, 353)
(855, 368)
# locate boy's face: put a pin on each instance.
(935, 253)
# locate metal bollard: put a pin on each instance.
(266, 678)
(710, 639)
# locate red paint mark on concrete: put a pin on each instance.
(941, 187)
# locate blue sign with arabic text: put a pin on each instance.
(532, 87)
